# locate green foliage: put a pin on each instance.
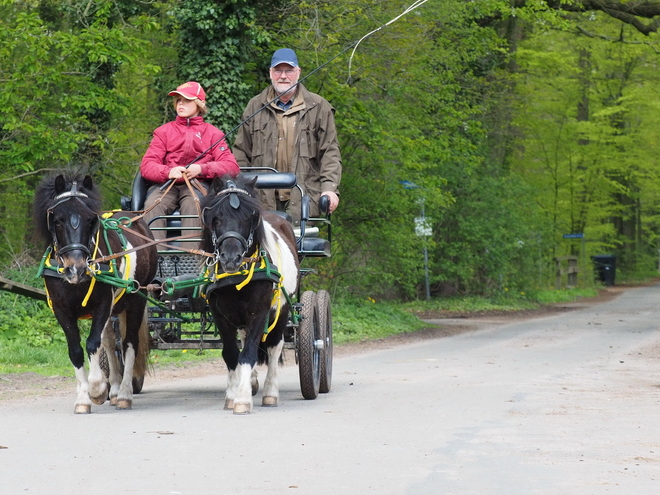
(515, 128)
(589, 117)
(357, 320)
(59, 96)
(16, 357)
(218, 40)
(27, 321)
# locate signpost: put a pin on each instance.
(422, 229)
(582, 247)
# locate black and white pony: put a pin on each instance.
(68, 220)
(252, 249)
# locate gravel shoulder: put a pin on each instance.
(17, 386)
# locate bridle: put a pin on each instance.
(232, 194)
(73, 193)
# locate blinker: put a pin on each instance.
(75, 221)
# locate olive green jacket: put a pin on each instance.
(316, 159)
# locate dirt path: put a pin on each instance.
(24, 385)
(563, 403)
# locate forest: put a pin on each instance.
(525, 130)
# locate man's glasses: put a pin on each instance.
(288, 72)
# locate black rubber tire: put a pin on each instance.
(309, 357)
(103, 362)
(325, 324)
(138, 383)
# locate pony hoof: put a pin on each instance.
(124, 404)
(113, 401)
(229, 404)
(100, 400)
(242, 408)
(255, 387)
(269, 401)
(82, 409)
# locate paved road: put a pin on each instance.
(567, 404)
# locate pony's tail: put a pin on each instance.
(142, 355)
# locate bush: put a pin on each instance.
(26, 320)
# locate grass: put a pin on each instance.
(16, 357)
(353, 321)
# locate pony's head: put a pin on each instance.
(231, 216)
(67, 216)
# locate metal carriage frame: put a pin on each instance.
(179, 317)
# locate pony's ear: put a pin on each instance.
(87, 183)
(217, 185)
(252, 183)
(60, 184)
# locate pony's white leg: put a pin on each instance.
(272, 384)
(243, 399)
(254, 379)
(114, 373)
(97, 388)
(230, 395)
(125, 396)
(83, 403)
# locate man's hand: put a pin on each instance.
(334, 200)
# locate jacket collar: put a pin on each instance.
(189, 122)
(297, 103)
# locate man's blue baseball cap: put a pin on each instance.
(284, 56)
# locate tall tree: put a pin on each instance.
(54, 101)
(588, 108)
(218, 45)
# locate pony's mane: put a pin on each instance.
(244, 213)
(45, 194)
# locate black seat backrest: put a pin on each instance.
(139, 192)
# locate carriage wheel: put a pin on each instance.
(138, 383)
(309, 353)
(103, 363)
(325, 324)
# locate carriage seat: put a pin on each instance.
(135, 202)
(309, 242)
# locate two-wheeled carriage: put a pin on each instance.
(179, 312)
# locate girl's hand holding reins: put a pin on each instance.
(193, 170)
(176, 172)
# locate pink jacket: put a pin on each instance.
(179, 142)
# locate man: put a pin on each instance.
(295, 132)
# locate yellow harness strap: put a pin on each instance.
(248, 273)
(127, 270)
(93, 282)
(277, 300)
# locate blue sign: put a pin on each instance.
(408, 185)
(573, 236)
